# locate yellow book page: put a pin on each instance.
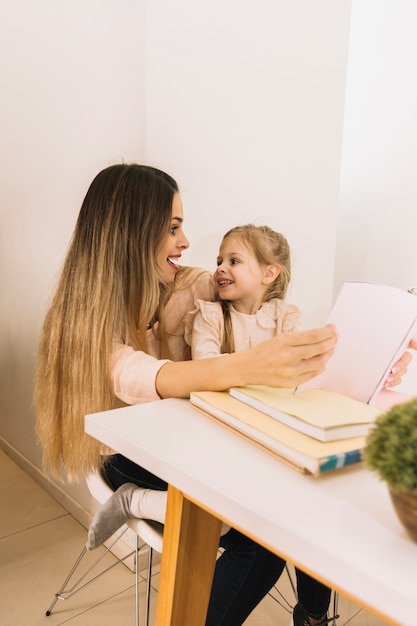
(321, 408)
(223, 404)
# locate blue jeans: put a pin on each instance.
(244, 573)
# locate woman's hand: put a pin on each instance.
(287, 360)
(291, 359)
(399, 369)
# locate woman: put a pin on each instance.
(113, 336)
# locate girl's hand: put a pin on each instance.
(399, 369)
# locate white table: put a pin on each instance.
(341, 528)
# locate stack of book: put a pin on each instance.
(314, 431)
(323, 425)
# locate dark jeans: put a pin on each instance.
(244, 573)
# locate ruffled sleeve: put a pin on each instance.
(284, 317)
(204, 329)
(291, 318)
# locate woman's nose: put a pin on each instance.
(184, 244)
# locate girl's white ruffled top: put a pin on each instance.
(205, 324)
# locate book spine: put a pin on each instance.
(336, 461)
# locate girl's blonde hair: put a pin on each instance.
(269, 248)
(109, 289)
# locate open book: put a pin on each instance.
(301, 452)
(375, 324)
(322, 414)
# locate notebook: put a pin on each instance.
(303, 453)
(375, 324)
(324, 415)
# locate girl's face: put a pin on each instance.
(171, 248)
(240, 278)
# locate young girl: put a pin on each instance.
(252, 277)
(111, 337)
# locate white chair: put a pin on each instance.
(151, 534)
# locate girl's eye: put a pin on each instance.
(218, 262)
(233, 261)
(173, 230)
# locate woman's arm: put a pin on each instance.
(287, 360)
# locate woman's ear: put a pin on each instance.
(270, 274)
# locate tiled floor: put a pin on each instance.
(39, 541)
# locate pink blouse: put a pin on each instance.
(204, 326)
(134, 372)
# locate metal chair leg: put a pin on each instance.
(335, 607)
(58, 595)
(279, 597)
(288, 606)
(148, 585)
(137, 580)
(65, 594)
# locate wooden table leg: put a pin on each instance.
(191, 540)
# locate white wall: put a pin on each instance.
(71, 102)
(245, 107)
(378, 196)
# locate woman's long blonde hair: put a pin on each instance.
(270, 248)
(109, 288)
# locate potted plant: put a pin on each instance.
(391, 451)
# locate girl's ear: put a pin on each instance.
(270, 274)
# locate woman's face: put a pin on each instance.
(170, 250)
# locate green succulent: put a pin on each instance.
(391, 447)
